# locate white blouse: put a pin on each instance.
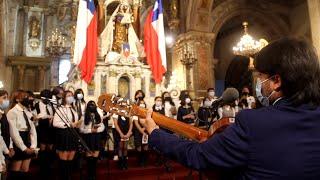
(64, 112)
(86, 129)
(43, 112)
(18, 123)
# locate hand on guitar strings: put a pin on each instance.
(148, 122)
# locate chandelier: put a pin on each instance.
(247, 45)
(188, 56)
(56, 44)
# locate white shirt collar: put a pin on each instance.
(158, 108)
(18, 107)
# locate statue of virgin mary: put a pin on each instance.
(119, 38)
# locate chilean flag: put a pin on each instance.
(86, 42)
(154, 42)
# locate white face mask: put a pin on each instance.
(69, 100)
(142, 105)
(188, 100)
(211, 93)
(158, 103)
(4, 105)
(264, 100)
(79, 96)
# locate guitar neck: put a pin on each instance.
(173, 125)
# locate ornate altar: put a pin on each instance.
(121, 77)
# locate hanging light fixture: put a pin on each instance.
(247, 46)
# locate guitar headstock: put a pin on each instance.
(117, 105)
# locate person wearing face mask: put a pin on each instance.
(158, 107)
(170, 109)
(6, 145)
(140, 143)
(64, 119)
(57, 95)
(123, 126)
(186, 112)
(211, 94)
(91, 128)
(204, 113)
(45, 111)
(139, 95)
(79, 103)
(278, 141)
(23, 134)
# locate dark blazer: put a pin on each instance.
(276, 142)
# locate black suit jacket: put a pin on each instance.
(276, 142)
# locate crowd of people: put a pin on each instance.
(60, 124)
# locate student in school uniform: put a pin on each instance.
(23, 134)
(66, 121)
(139, 95)
(46, 137)
(204, 114)
(6, 145)
(57, 95)
(116, 137)
(91, 128)
(79, 103)
(140, 137)
(170, 109)
(123, 126)
(186, 112)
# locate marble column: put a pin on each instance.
(137, 82)
(54, 80)
(42, 74)
(21, 70)
(314, 15)
(202, 71)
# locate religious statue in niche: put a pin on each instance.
(34, 28)
(119, 42)
(34, 32)
(62, 11)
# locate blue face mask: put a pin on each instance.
(4, 105)
(264, 100)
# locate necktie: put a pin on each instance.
(47, 110)
(27, 120)
(73, 118)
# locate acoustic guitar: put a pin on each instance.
(111, 103)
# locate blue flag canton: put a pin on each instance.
(91, 6)
(157, 10)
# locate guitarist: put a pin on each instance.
(279, 141)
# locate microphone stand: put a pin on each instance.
(66, 121)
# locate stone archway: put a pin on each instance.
(212, 17)
(229, 9)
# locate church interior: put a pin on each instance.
(210, 46)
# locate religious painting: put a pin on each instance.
(124, 87)
(62, 11)
(91, 87)
(34, 27)
(152, 88)
(103, 84)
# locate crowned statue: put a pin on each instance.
(119, 41)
